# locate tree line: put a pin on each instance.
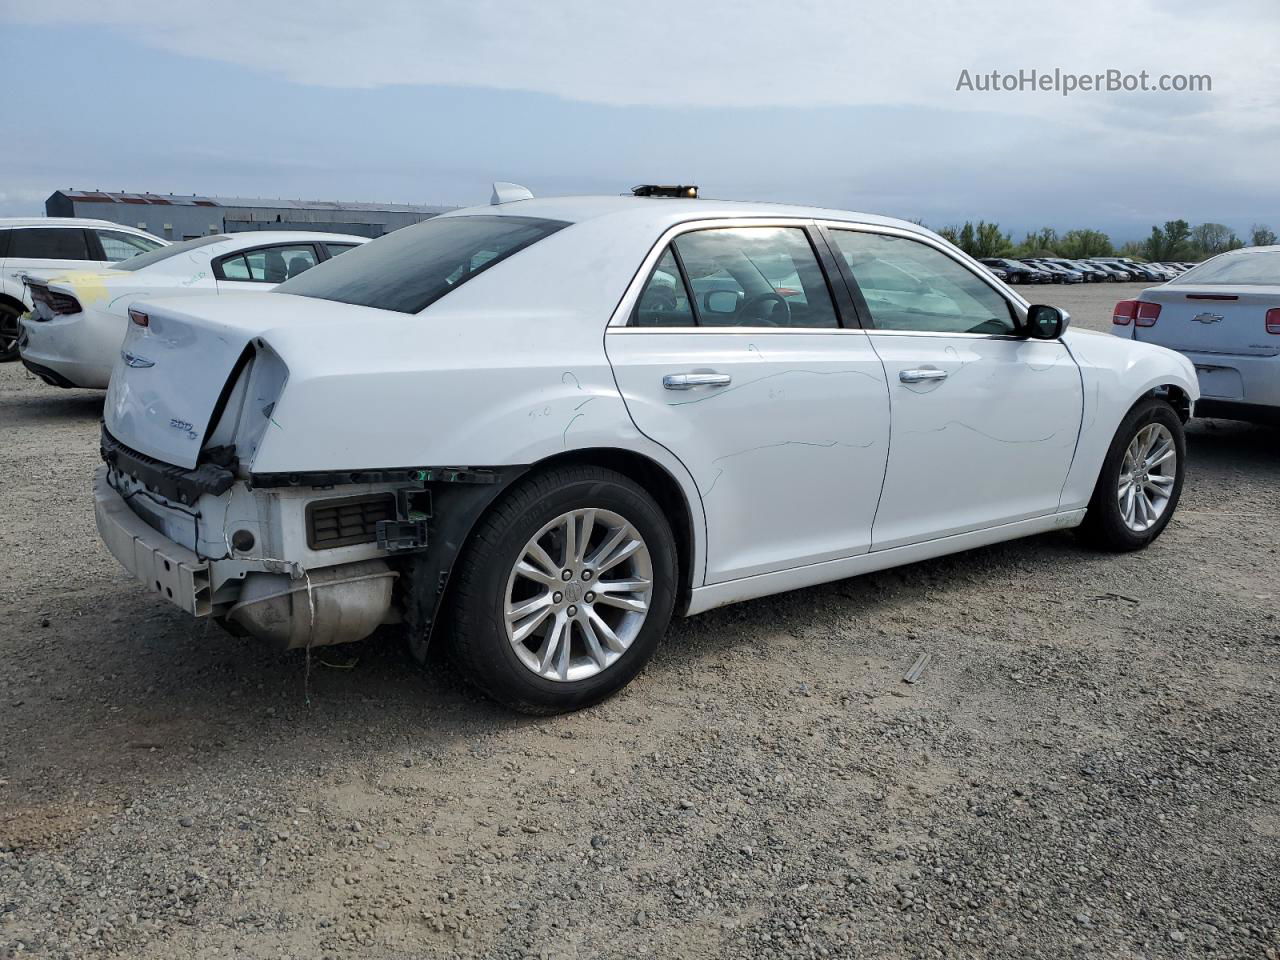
(1176, 240)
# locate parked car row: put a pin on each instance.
(56, 244)
(1094, 270)
(72, 282)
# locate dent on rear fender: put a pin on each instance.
(367, 421)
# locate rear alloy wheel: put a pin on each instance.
(1141, 479)
(8, 333)
(564, 590)
(579, 595)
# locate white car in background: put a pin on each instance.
(1224, 315)
(56, 243)
(72, 336)
(564, 420)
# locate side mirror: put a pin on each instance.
(1045, 322)
(720, 301)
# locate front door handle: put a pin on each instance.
(687, 381)
(922, 375)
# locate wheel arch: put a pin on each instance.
(428, 576)
(659, 482)
(1176, 396)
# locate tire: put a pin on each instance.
(1105, 525)
(515, 671)
(8, 332)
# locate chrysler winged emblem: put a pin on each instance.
(133, 360)
(1207, 317)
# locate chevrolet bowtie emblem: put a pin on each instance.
(1207, 317)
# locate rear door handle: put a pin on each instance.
(922, 375)
(687, 381)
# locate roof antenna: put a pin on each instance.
(504, 192)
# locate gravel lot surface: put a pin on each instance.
(1088, 768)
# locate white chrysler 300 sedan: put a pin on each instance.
(72, 336)
(549, 424)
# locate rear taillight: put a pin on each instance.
(1148, 314)
(1124, 313)
(138, 317)
(1273, 320)
(57, 304)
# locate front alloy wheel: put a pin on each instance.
(1140, 481)
(1148, 473)
(563, 590)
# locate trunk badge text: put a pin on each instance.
(133, 360)
(185, 427)
(1207, 318)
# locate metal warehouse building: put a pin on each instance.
(181, 217)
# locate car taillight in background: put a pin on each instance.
(50, 303)
(1124, 313)
(1273, 320)
(1148, 314)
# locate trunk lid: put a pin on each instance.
(1212, 318)
(171, 376)
(167, 381)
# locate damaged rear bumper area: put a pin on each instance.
(280, 601)
(297, 560)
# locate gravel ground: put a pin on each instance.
(1088, 768)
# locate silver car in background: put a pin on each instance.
(1224, 315)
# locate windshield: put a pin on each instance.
(410, 269)
(1261, 269)
(164, 253)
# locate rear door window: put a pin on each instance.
(413, 267)
(278, 264)
(48, 243)
(755, 277)
(664, 301)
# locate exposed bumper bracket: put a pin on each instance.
(167, 568)
(171, 482)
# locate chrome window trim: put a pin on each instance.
(618, 322)
(753, 331)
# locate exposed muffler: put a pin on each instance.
(325, 606)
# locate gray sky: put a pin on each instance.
(838, 103)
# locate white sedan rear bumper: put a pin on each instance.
(70, 347)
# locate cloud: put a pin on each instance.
(730, 53)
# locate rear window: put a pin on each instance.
(164, 253)
(1247, 269)
(413, 267)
